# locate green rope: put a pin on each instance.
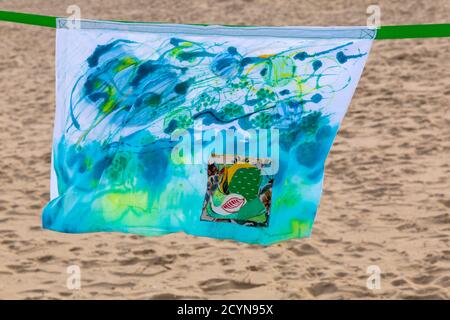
(383, 33)
(28, 18)
(413, 31)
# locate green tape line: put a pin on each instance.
(413, 31)
(383, 33)
(28, 18)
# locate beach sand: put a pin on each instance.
(386, 199)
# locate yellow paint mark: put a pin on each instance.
(125, 63)
(300, 228)
(119, 201)
(110, 104)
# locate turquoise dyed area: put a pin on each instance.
(112, 160)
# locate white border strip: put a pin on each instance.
(218, 30)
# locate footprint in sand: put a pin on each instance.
(322, 288)
(218, 285)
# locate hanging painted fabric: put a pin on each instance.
(214, 131)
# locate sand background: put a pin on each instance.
(386, 198)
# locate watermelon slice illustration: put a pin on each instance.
(229, 205)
